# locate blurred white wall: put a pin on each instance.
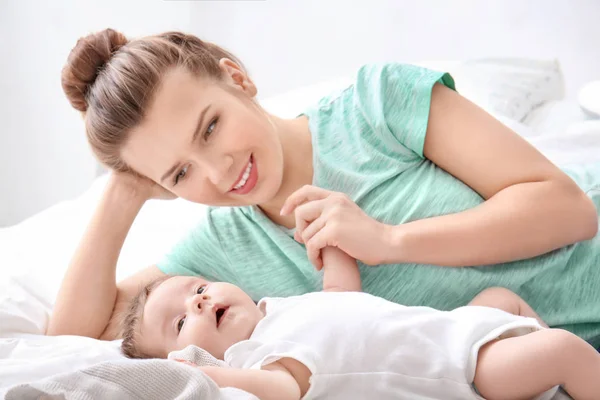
(287, 43)
(284, 43)
(43, 154)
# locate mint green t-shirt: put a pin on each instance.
(368, 143)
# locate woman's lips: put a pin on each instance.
(250, 181)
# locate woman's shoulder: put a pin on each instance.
(379, 71)
(380, 82)
(330, 90)
(382, 74)
(374, 85)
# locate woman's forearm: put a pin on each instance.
(519, 222)
(88, 292)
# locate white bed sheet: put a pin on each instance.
(35, 253)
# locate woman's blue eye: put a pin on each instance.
(180, 324)
(210, 128)
(180, 175)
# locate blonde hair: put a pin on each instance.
(130, 331)
(112, 81)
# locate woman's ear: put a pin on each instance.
(236, 76)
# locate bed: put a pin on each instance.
(528, 95)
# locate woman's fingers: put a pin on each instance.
(312, 229)
(305, 214)
(314, 246)
(304, 194)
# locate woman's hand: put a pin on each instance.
(325, 218)
(139, 186)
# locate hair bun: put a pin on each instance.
(86, 60)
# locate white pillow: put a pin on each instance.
(555, 117)
(22, 309)
(589, 98)
(508, 87)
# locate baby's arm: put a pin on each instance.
(505, 300)
(285, 379)
(340, 271)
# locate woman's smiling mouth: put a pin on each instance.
(247, 178)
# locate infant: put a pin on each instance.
(342, 343)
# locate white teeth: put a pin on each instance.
(244, 177)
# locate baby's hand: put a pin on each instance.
(340, 271)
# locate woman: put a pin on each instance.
(441, 200)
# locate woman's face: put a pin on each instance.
(208, 142)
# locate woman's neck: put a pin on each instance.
(296, 142)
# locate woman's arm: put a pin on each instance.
(89, 294)
(340, 271)
(531, 206)
(126, 290)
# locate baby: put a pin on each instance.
(345, 344)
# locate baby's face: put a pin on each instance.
(187, 310)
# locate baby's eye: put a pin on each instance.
(201, 289)
(180, 324)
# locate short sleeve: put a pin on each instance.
(200, 253)
(397, 97)
(253, 354)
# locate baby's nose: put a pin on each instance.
(199, 301)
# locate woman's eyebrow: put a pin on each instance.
(195, 134)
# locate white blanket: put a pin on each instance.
(127, 379)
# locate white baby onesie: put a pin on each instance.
(359, 346)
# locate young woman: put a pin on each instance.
(434, 197)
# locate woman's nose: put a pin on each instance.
(217, 168)
(215, 175)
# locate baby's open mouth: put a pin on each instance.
(220, 313)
